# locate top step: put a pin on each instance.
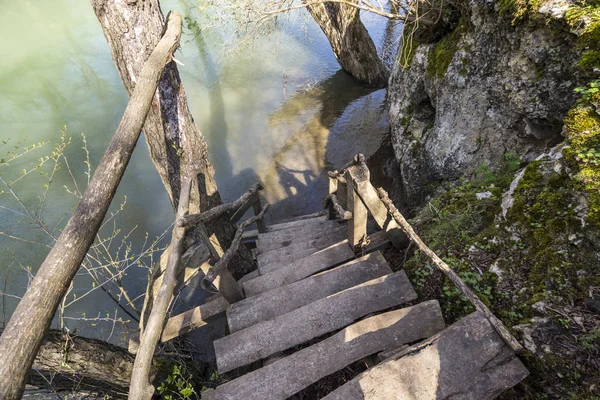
(322, 213)
(280, 225)
(273, 239)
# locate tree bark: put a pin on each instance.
(21, 339)
(350, 41)
(132, 28)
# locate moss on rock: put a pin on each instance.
(441, 55)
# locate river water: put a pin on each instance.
(279, 111)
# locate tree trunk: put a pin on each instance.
(132, 28)
(21, 339)
(350, 41)
(88, 364)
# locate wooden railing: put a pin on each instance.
(352, 195)
(219, 277)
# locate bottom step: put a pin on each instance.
(468, 360)
(291, 374)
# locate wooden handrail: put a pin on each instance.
(141, 387)
(246, 199)
(450, 274)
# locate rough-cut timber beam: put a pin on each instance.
(141, 384)
(229, 288)
(22, 337)
(216, 212)
(450, 274)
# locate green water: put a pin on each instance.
(279, 111)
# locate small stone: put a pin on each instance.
(547, 349)
(484, 195)
(495, 268)
(540, 307)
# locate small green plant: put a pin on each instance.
(587, 92)
(177, 384)
(591, 340)
(588, 156)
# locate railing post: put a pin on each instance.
(333, 188)
(228, 287)
(342, 193)
(257, 207)
(357, 227)
(225, 283)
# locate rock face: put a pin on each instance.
(506, 89)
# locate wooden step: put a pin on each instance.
(282, 300)
(315, 319)
(468, 360)
(319, 261)
(297, 251)
(278, 244)
(273, 240)
(288, 375)
(299, 218)
(277, 226)
(252, 235)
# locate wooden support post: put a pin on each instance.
(333, 187)
(357, 228)
(368, 195)
(260, 223)
(228, 287)
(342, 192)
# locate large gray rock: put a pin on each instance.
(506, 89)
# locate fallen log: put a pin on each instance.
(92, 365)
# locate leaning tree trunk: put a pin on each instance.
(350, 41)
(22, 336)
(132, 29)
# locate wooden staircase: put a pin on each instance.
(323, 297)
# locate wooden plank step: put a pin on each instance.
(296, 251)
(319, 261)
(299, 218)
(192, 319)
(287, 376)
(272, 240)
(277, 244)
(467, 360)
(315, 319)
(282, 300)
(278, 226)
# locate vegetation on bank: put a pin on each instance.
(538, 266)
